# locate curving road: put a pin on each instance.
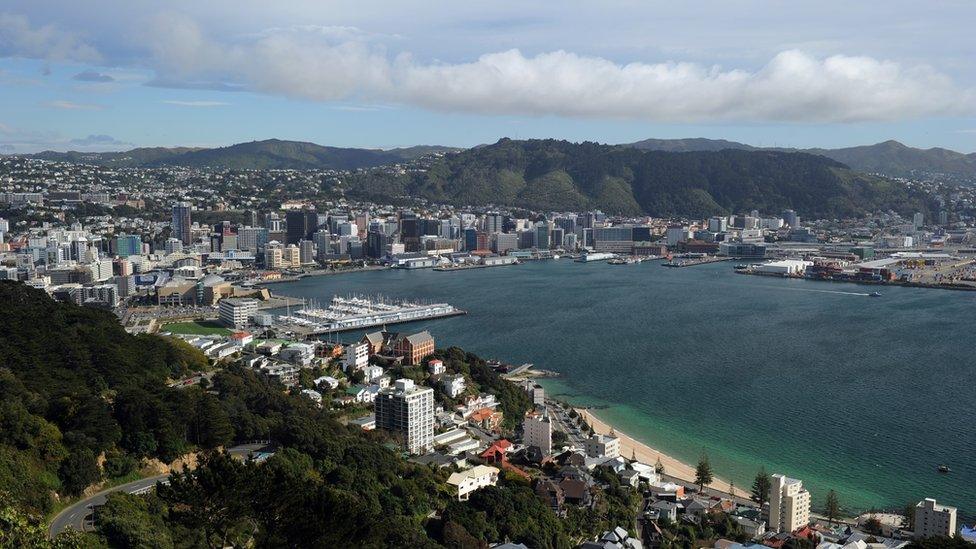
(79, 515)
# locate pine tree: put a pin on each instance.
(832, 506)
(703, 473)
(760, 487)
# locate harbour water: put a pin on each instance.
(812, 379)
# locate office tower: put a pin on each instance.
(299, 225)
(790, 218)
(128, 244)
(789, 504)
(306, 252)
(181, 223)
(494, 223)
(408, 411)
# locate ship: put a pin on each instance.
(599, 256)
(944, 469)
(359, 312)
(874, 294)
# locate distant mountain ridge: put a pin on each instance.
(266, 154)
(553, 175)
(889, 157)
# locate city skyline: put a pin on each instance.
(383, 76)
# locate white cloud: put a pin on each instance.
(196, 103)
(341, 64)
(72, 106)
(19, 39)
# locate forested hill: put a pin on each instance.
(253, 155)
(558, 175)
(889, 157)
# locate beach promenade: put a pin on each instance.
(645, 454)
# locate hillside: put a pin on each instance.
(890, 157)
(558, 175)
(267, 154)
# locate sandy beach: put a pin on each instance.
(645, 454)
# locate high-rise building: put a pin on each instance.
(789, 504)
(299, 225)
(537, 431)
(377, 244)
(128, 244)
(407, 410)
(181, 223)
(934, 520)
(306, 252)
(918, 220)
(494, 223)
(790, 218)
(237, 312)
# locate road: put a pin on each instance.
(79, 515)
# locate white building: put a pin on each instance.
(789, 504)
(677, 234)
(600, 446)
(436, 367)
(236, 312)
(372, 372)
(453, 385)
(300, 354)
(473, 479)
(357, 356)
(537, 431)
(408, 410)
(934, 520)
(785, 267)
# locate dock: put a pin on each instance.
(358, 313)
(691, 262)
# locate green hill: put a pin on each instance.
(558, 175)
(254, 155)
(890, 157)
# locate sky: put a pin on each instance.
(115, 74)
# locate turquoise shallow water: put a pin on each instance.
(812, 379)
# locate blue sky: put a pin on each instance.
(109, 75)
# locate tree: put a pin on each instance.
(79, 471)
(832, 506)
(703, 473)
(760, 487)
(909, 516)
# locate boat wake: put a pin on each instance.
(863, 294)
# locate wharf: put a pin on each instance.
(313, 331)
(691, 262)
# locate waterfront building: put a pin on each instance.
(676, 234)
(291, 257)
(181, 224)
(502, 242)
(414, 348)
(236, 312)
(273, 255)
(473, 479)
(601, 446)
(537, 432)
(789, 504)
(934, 520)
(408, 411)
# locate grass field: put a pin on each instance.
(196, 327)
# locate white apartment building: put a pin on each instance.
(357, 356)
(789, 504)
(537, 431)
(407, 410)
(236, 312)
(934, 520)
(453, 385)
(436, 367)
(473, 479)
(599, 446)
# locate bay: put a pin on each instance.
(866, 396)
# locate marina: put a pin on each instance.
(344, 314)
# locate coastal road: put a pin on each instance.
(79, 515)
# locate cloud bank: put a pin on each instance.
(344, 64)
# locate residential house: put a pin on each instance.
(466, 482)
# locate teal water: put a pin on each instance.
(866, 396)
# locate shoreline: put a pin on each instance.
(673, 467)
